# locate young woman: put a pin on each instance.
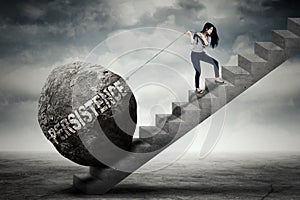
(200, 40)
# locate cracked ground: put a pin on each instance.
(218, 176)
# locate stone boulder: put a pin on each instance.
(80, 105)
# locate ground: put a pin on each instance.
(218, 176)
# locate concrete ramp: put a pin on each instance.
(187, 115)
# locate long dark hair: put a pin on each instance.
(214, 35)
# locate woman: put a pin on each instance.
(200, 40)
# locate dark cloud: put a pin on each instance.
(43, 33)
(50, 12)
(290, 7)
(267, 8)
(40, 33)
(261, 15)
(186, 14)
(49, 31)
(191, 5)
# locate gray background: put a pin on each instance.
(37, 36)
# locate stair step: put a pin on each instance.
(184, 105)
(294, 25)
(148, 131)
(205, 101)
(212, 85)
(175, 130)
(163, 120)
(208, 104)
(156, 141)
(222, 91)
(173, 125)
(286, 40)
(186, 111)
(271, 52)
(237, 75)
(179, 129)
(195, 98)
(141, 145)
(193, 95)
(254, 64)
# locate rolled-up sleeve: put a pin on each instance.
(209, 40)
(192, 42)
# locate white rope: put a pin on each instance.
(134, 71)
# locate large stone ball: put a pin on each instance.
(82, 102)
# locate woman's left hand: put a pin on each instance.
(203, 38)
(201, 35)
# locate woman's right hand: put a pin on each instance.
(189, 33)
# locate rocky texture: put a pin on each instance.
(218, 176)
(72, 97)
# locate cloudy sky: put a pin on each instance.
(37, 36)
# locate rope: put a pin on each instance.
(134, 71)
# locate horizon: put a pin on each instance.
(38, 36)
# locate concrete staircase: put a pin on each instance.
(186, 115)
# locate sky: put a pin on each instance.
(36, 36)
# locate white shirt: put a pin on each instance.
(200, 46)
